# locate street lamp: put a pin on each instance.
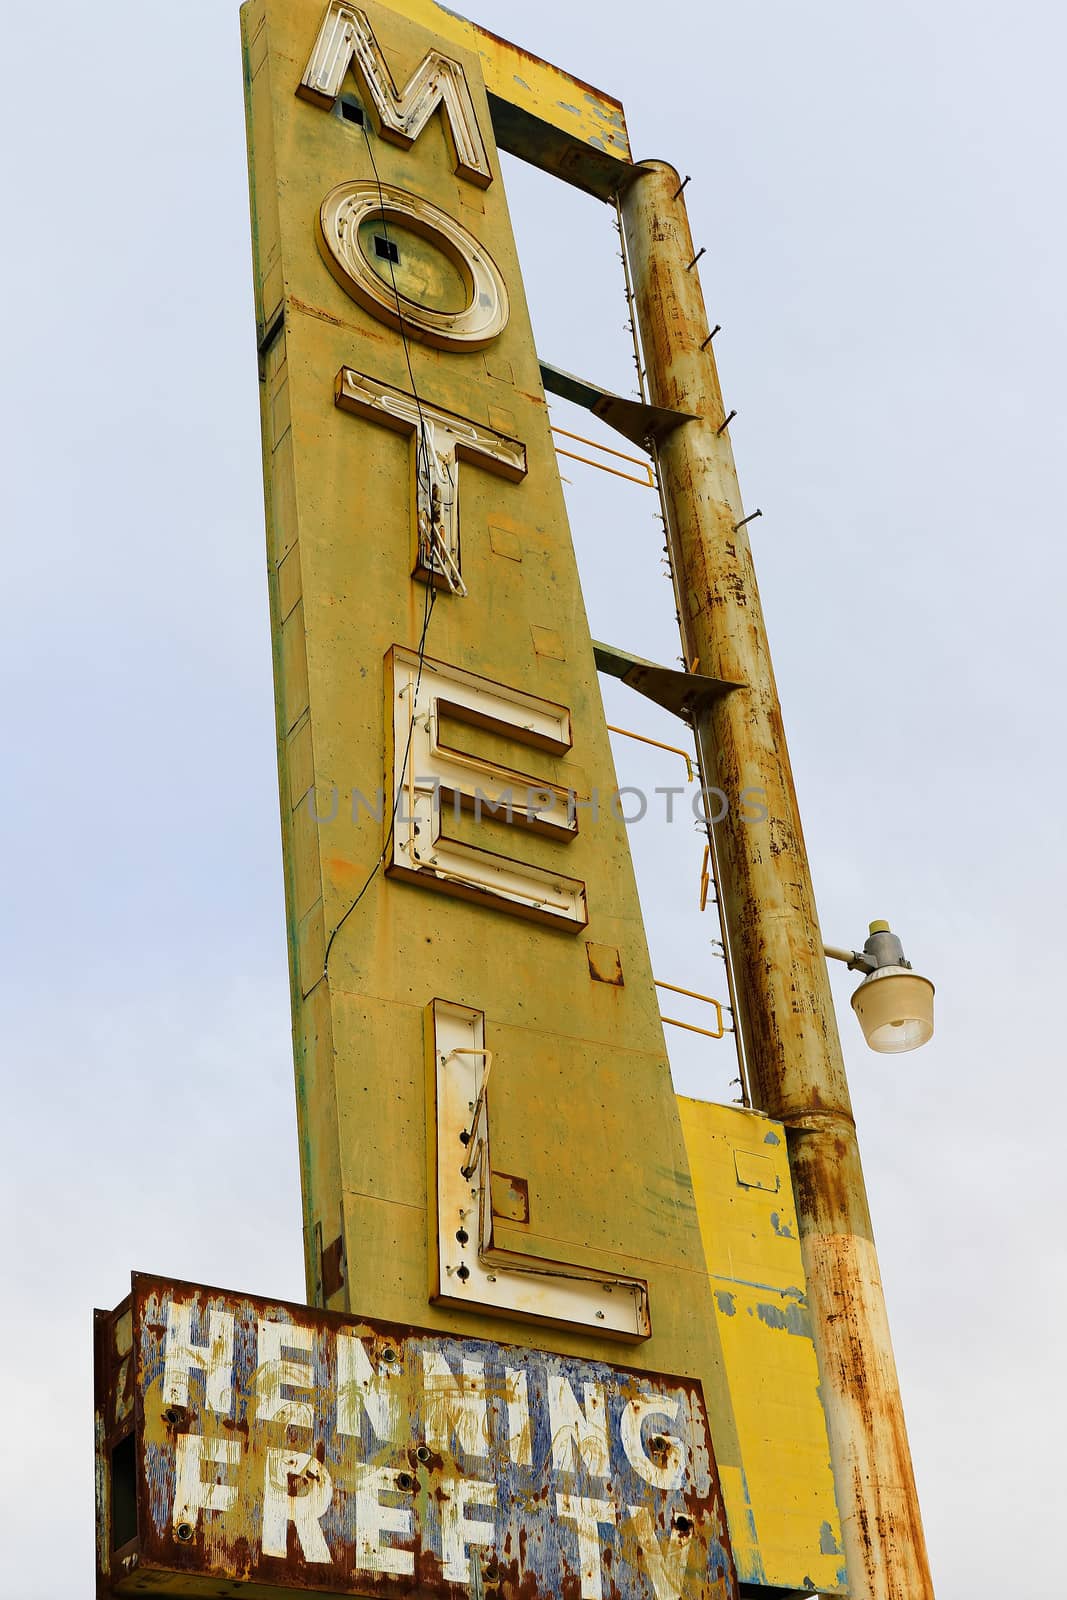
(895, 1006)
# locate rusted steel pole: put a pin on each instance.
(785, 1009)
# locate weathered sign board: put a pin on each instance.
(251, 1446)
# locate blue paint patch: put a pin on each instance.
(750, 1566)
(828, 1545)
(768, 1288)
(725, 1302)
(790, 1319)
(771, 1138)
(782, 1229)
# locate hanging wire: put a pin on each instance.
(422, 465)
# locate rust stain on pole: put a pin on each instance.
(786, 1013)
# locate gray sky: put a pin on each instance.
(880, 194)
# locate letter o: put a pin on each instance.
(486, 312)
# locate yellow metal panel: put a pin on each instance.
(311, 948)
(533, 85)
(780, 1496)
(301, 762)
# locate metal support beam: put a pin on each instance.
(642, 424)
(681, 693)
(785, 1008)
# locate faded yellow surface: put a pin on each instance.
(546, 92)
(780, 1494)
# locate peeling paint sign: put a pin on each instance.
(298, 1449)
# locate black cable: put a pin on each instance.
(431, 597)
(422, 448)
(421, 451)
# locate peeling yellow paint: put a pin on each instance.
(780, 1497)
(542, 90)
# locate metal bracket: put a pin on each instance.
(681, 693)
(271, 331)
(634, 419)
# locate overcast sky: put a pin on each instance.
(880, 190)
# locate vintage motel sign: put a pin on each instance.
(514, 1235)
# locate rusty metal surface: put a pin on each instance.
(114, 1375)
(785, 1008)
(279, 1447)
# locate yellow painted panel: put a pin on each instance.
(780, 1499)
(305, 885)
(311, 948)
(301, 762)
(294, 666)
(533, 85)
(282, 495)
(288, 584)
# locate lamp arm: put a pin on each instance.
(854, 960)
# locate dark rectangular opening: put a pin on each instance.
(123, 1493)
(386, 248)
(352, 111)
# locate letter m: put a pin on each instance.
(346, 37)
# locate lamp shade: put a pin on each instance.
(895, 1008)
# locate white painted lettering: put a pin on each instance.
(665, 1563)
(587, 1516)
(360, 1388)
(441, 441)
(455, 1405)
(457, 1530)
(191, 1494)
(276, 1371)
(668, 1472)
(579, 1436)
(346, 39)
(517, 1400)
(215, 1359)
(296, 1489)
(373, 1520)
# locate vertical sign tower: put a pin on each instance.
(558, 1340)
